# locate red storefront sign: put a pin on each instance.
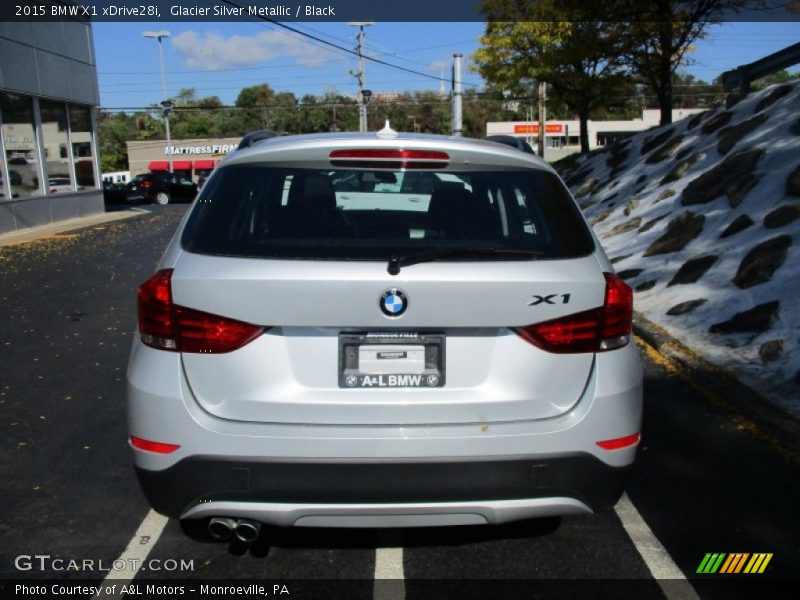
(534, 128)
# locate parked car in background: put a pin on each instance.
(58, 184)
(382, 330)
(113, 193)
(160, 187)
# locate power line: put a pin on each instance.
(336, 46)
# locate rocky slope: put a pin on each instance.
(702, 219)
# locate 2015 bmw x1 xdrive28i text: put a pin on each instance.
(382, 330)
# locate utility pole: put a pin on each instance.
(362, 105)
(165, 103)
(542, 116)
(458, 96)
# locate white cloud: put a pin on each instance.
(214, 52)
(443, 64)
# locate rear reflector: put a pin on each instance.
(597, 330)
(165, 326)
(617, 443)
(389, 158)
(150, 446)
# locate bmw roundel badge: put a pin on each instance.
(393, 302)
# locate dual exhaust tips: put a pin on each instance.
(225, 528)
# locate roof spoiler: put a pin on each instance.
(510, 140)
(254, 137)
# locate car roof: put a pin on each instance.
(314, 150)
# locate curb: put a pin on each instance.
(752, 411)
(31, 234)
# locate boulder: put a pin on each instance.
(630, 273)
(679, 170)
(755, 320)
(601, 216)
(625, 227)
(617, 259)
(663, 195)
(782, 216)
(683, 152)
(653, 141)
(773, 97)
(717, 122)
(771, 350)
(738, 190)
(680, 231)
(697, 119)
(686, 307)
(630, 206)
(665, 151)
(646, 285)
(730, 136)
(587, 187)
(740, 223)
(793, 183)
(617, 159)
(693, 269)
(649, 225)
(577, 177)
(715, 182)
(762, 261)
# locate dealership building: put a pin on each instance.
(562, 138)
(192, 159)
(48, 93)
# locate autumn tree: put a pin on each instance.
(558, 42)
(660, 34)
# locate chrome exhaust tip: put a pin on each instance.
(247, 531)
(221, 528)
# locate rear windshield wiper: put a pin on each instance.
(397, 262)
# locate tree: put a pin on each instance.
(659, 34)
(559, 42)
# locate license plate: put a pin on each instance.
(390, 359)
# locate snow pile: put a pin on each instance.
(702, 219)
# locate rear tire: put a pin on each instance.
(162, 198)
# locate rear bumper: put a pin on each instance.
(429, 492)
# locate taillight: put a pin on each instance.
(597, 330)
(145, 183)
(166, 326)
(390, 158)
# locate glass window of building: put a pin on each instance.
(80, 123)
(56, 140)
(19, 144)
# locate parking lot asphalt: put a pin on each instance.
(702, 482)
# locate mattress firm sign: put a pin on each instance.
(215, 149)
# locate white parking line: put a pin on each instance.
(389, 575)
(135, 554)
(666, 573)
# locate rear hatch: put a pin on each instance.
(364, 323)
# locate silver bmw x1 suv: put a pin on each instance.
(382, 329)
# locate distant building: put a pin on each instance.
(193, 159)
(48, 91)
(386, 96)
(562, 138)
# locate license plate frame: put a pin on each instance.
(351, 376)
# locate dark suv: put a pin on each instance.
(160, 187)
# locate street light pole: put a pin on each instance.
(165, 103)
(362, 100)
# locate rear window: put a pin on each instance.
(266, 212)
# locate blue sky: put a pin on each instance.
(218, 59)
